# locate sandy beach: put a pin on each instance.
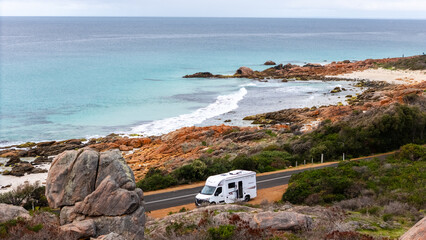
(8, 182)
(390, 76)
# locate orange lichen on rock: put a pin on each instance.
(182, 145)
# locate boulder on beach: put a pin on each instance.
(97, 194)
(12, 161)
(20, 169)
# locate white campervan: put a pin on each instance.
(230, 187)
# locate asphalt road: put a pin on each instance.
(186, 196)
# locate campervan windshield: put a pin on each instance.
(208, 190)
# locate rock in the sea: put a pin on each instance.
(8, 212)
(12, 161)
(244, 72)
(97, 194)
(200, 75)
(417, 232)
(336, 90)
(269, 63)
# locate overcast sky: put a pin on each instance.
(409, 9)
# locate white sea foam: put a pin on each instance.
(248, 85)
(223, 104)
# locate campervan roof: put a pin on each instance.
(216, 179)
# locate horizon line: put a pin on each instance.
(94, 16)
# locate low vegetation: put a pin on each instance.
(413, 63)
(30, 196)
(401, 178)
(372, 132)
(42, 225)
(385, 195)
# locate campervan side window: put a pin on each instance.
(218, 191)
(231, 185)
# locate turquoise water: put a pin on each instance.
(67, 77)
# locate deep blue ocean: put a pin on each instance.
(74, 77)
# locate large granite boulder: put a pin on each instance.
(9, 212)
(417, 232)
(97, 194)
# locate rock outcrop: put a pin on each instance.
(96, 193)
(377, 96)
(417, 232)
(180, 147)
(244, 72)
(269, 63)
(305, 72)
(12, 161)
(251, 220)
(8, 212)
(200, 75)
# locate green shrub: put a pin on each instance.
(412, 152)
(222, 232)
(156, 181)
(191, 172)
(217, 166)
(387, 217)
(244, 162)
(35, 228)
(26, 195)
(270, 133)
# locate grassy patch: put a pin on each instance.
(222, 232)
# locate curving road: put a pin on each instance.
(186, 196)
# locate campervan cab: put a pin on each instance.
(230, 187)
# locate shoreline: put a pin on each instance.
(349, 71)
(135, 130)
(164, 150)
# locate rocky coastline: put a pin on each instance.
(309, 71)
(184, 145)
